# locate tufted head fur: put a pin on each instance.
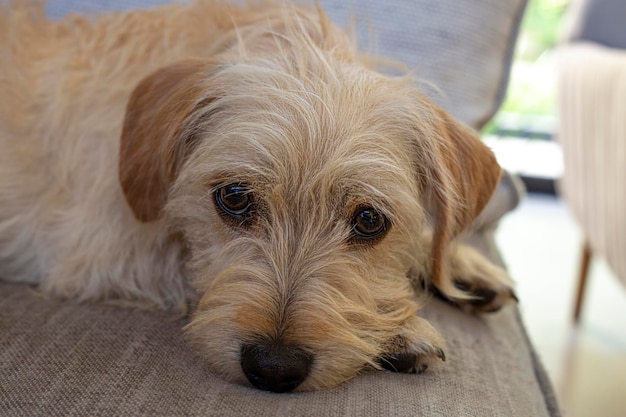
(315, 136)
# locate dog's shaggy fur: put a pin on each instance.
(120, 133)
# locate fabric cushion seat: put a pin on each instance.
(61, 358)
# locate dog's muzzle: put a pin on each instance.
(275, 367)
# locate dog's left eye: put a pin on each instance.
(369, 223)
(234, 199)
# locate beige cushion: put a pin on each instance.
(60, 358)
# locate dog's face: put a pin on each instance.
(303, 187)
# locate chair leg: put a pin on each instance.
(582, 281)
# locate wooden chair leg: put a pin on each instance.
(582, 281)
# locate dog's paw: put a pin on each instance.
(476, 285)
(418, 348)
(484, 296)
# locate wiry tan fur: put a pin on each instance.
(108, 195)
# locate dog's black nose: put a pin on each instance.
(275, 367)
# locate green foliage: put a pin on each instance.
(531, 89)
(540, 28)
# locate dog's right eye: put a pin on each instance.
(234, 199)
(369, 224)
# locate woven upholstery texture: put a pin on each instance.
(63, 359)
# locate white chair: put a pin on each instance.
(592, 131)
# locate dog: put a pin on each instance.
(245, 164)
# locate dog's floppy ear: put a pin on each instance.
(156, 138)
(460, 178)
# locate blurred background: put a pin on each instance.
(562, 130)
(523, 131)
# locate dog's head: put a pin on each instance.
(303, 185)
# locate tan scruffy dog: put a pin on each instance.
(246, 161)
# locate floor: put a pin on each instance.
(541, 245)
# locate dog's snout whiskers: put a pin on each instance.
(275, 367)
